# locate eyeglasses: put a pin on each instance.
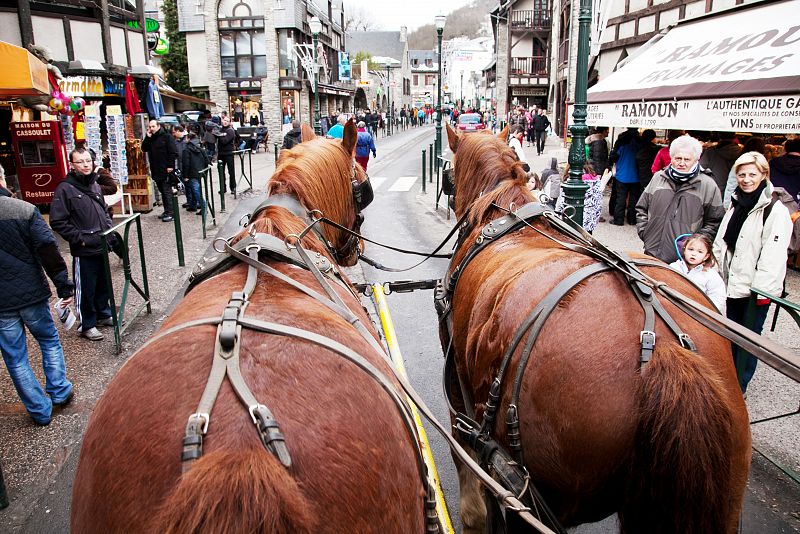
(83, 162)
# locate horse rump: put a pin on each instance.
(686, 472)
(236, 492)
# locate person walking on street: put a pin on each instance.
(337, 130)
(626, 177)
(226, 146)
(540, 125)
(28, 250)
(681, 199)
(294, 136)
(194, 160)
(162, 154)
(364, 145)
(79, 214)
(751, 248)
(719, 159)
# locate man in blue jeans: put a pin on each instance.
(28, 250)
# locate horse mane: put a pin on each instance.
(487, 172)
(318, 173)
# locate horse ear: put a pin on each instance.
(307, 133)
(452, 138)
(350, 137)
(504, 134)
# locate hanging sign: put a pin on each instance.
(91, 86)
(344, 67)
(366, 84)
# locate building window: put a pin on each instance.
(242, 43)
(429, 63)
(416, 79)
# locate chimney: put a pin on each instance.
(403, 33)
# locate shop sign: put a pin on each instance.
(344, 67)
(91, 86)
(364, 83)
(528, 91)
(114, 87)
(772, 114)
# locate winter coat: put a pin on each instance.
(27, 247)
(161, 153)
(79, 214)
(668, 209)
(592, 202)
(180, 146)
(551, 180)
(644, 162)
(514, 143)
(194, 160)
(364, 145)
(662, 161)
(294, 137)
(759, 260)
(208, 135)
(707, 279)
(624, 156)
(719, 160)
(784, 172)
(226, 141)
(598, 153)
(540, 123)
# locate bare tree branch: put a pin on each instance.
(356, 19)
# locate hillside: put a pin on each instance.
(464, 21)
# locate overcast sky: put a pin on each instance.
(391, 14)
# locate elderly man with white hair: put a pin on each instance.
(681, 199)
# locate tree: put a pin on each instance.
(361, 56)
(358, 20)
(175, 63)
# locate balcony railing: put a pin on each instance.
(528, 19)
(529, 66)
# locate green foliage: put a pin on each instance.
(361, 56)
(175, 63)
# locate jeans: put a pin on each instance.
(627, 195)
(736, 311)
(228, 161)
(193, 196)
(39, 321)
(91, 291)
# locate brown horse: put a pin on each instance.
(353, 462)
(665, 445)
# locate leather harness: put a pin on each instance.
(233, 320)
(507, 466)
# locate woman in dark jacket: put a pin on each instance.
(193, 162)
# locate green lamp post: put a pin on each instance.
(575, 188)
(439, 21)
(316, 26)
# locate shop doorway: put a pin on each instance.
(360, 99)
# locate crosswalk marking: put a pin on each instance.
(377, 181)
(403, 183)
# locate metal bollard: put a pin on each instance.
(177, 219)
(221, 173)
(430, 163)
(423, 170)
(276, 152)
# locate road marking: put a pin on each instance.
(377, 181)
(403, 183)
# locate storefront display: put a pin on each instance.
(41, 159)
(91, 129)
(115, 128)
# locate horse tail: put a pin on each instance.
(685, 471)
(236, 492)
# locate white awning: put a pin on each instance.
(736, 71)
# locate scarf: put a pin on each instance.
(742, 204)
(682, 177)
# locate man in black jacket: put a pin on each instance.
(645, 158)
(27, 251)
(161, 153)
(540, 125)
(195, 160)
(226, 146)
(79, 214)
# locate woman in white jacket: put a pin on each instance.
(751, 246)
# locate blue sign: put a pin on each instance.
(344, 67)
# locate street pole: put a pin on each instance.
(461, 88)
(575, 188)
(439, 22)
(316, 26)
(388, 101)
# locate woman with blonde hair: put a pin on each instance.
(751, 247)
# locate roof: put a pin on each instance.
(377, 44)
(421, 56)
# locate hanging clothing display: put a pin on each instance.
(131, 96)
(154, 105)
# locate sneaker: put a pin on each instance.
(66, 400)
(168, 218)
(92, 334)
(106, 321)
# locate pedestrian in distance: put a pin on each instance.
(696, 262)
(28, 250)
(551, 181)
(209, 139)
(79, 214)
(681, 199)
(162, 154)
(337, 130)
(540, 125)
(515, 136)
(719, 158)
(294, 136)
(364, 145)
(751, 248)
(226, 146)
(626, 177)
(194, 162)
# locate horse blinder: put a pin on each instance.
(363, 195)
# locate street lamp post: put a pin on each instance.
(575, 188)
(439, 21)
(461, 88)
(388, 99)
(316, 26)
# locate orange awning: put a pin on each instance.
(23, 74)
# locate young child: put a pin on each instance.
(697, 263)
(592, 200)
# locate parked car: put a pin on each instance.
(171, 119)
(470, 122)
